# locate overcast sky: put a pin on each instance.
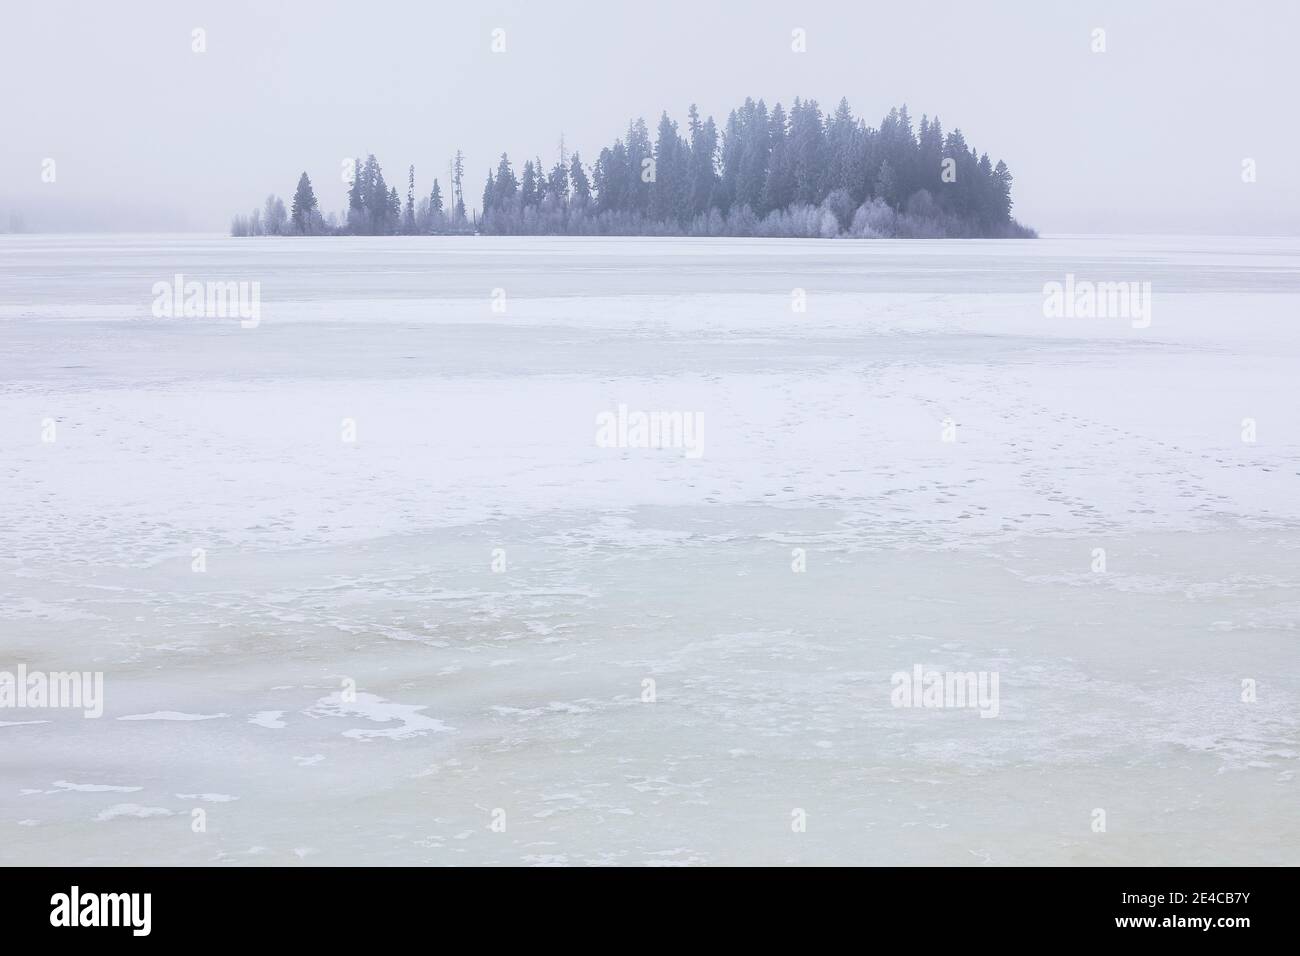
(1146, 137)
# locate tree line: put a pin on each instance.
(764, 173)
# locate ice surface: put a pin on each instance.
(350, 681)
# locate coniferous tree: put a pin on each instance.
(704, 183)
(436, 218)
(730, 159)
(904, 159)
(778, 186)
(611, 178)
(1002, 193)
(393, 221)
(841, 137)
(984, 199)
(929, 156)
(670, 195)
(808, 147)
(489, 195)
(356, 198)
(376, 198)
(765, 174)
(965, 167)
(752, 156)
(458, 172)
(638, 152)
(507, 187)
(304, 206)
(581, 185)
(886, 188)
(528, 187)
(557, 183)
(408, 214)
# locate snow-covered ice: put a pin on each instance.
(458, 612)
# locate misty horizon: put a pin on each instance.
(169, 138)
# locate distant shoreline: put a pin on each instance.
(761, 175)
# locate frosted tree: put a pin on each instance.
(528, 186)
(436, 218)
(274, 215)
(581, 185)
(305, 209)
(762, 173)
(408, 214)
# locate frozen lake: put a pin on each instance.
(366, 585)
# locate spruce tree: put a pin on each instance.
(356, 196)
(507, 187)
(638, 151)
(528, 188)
(841, 132)
(886, 188)
(670, 196)
(489, 195)
(706, 181)
(458, 173)
(808, 151)
(581, 185)
(778, 187)
(557, 183)
(435, 209)
(376, 197)
(1002, 193)
(704, 171)
(304, 206)
(393, 220)
(408, 215)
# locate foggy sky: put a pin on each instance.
(146, 134)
